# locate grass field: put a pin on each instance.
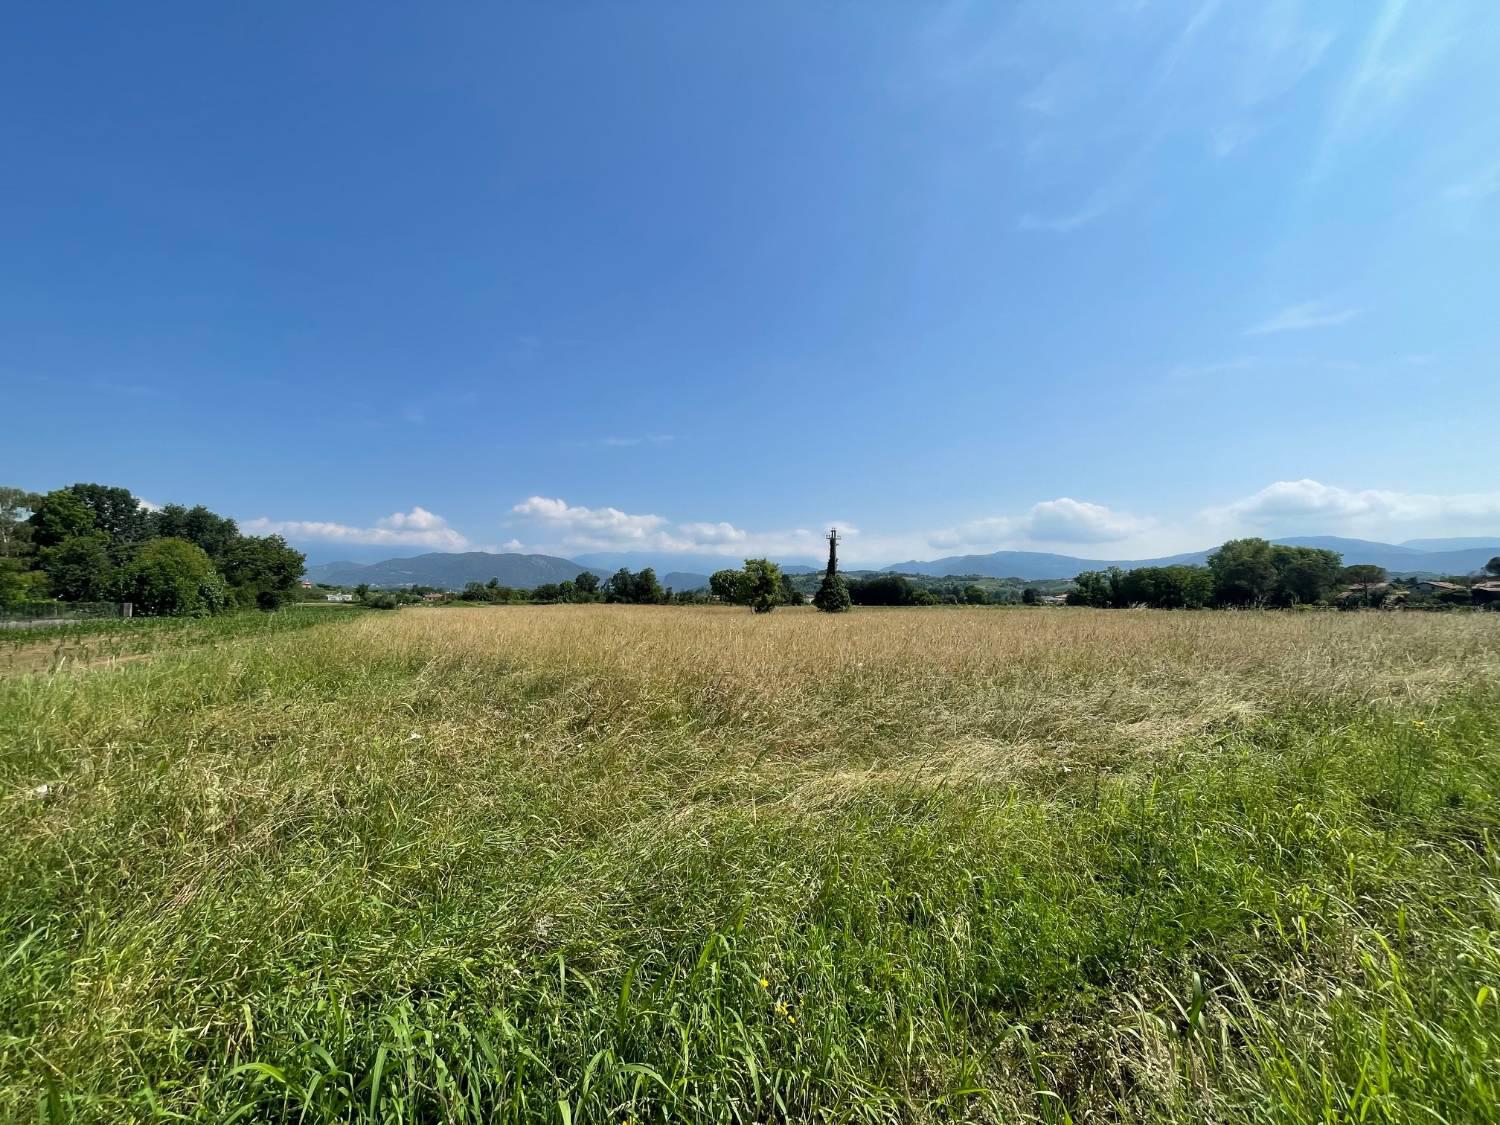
(607, 864)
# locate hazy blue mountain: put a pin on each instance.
(690, 572)
(1441, 562)
(607, 562)
(341, 554)
(1036, 564)
(449, 571)
(1486, 542)
(1349, 546)
(1001, 564)
(1404, 559)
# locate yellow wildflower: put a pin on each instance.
(764, 983)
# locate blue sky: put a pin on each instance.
(1114, 279)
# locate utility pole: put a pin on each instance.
(833, 593)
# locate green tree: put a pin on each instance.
(648, 590)
(1243, 572)
(15, 532)
(79, 569)
(1031, 596)
(621, 586)
(1090, 588)
(887, 589)
(260, 570)
(833, 594)
(57, 516)
(116, 511)
(728, 585)
(173, 578)
(790, 595)
(213, 532)
(19, 585)
(1304, 575)
(1492, 567)
(588, 584)
(762, 585)
(1363, 575)
(974, 594)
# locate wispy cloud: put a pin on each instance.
(1299, 318)
(1481, 185)
(1104, 199)
(1183, 41)
(621, 441)
(649, 439)
(1396, 58)
(1217, 367)
(1095, 208)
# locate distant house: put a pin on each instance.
(434, 597)
(1485, 593)
(1431, 586)
(305, 584)
(338, 597)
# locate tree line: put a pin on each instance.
(1241, 573)
(624, 587)
(98, 543)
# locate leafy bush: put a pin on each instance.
(173, 578)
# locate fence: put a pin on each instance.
(33, 615)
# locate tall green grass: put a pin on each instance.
(371, 876)
(111, 638)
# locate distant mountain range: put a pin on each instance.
(607, 562)
(454, 571)
(1403, 559)
(449, 571)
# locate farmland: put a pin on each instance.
(619, 863)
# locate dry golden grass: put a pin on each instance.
(969, 689)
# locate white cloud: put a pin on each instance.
(1076, 521)
(416, 528)
(605, 525)
(1298, 318)
(418, 519)
(1302, 503)
(1063, 520)
(564, 527)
